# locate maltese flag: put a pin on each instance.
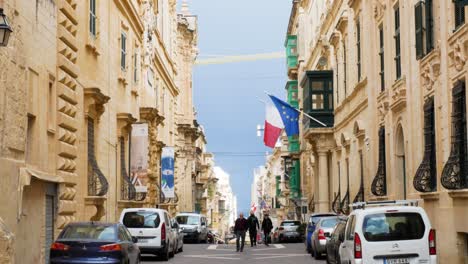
(279, 115)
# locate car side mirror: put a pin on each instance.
(203, 224)
(175, 226)
(134, 239)
(341, 237)
(327, 234)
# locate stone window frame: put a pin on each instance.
(397, 38)
(381, 36)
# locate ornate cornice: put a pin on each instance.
(151, 114)
(94, 101)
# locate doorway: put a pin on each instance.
(400, 183)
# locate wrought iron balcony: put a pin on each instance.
(97, 182)
(379, 184)
(127, 189)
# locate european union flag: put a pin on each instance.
(289, 115)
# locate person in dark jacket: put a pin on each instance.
(267, 226)
(253, 227)
(240, 228)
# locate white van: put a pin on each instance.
(153, 228)
(194, 226)
(388, 232)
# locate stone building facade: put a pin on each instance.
(75, 78)
(387, 79)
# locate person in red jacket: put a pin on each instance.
(240, 229)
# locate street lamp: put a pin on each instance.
(5, 29)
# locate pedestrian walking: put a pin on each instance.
(267, 226)
(253, 227)
(240, 228)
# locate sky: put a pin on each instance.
(227, 96)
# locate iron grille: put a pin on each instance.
(345, 203)
(454, 174)
(336, 204)
(360, 195)
(425, 179)
(127, 189)
(379, 184)
(97, 182)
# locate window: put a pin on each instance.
(379, 184)
(94, 232)
(92, 17)
(358, 48)
(459, 14)
(350, 229)
(424, 23)
(393, 226)
(425, 179)
(397, 43)
(382, 58)
(123, 51)
(455, 172)
(141, 219)
(150, 76)
(135, 66)
(321, 97)
(51, 109)
(345, 70)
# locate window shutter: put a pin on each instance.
(429, 26)
(418, 14)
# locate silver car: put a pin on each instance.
(321, 235)
(287, 231)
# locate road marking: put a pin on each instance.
(212, 247)
(275, 256)
(217, 256)
(278, 246)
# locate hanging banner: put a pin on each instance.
(167, 172)
(139, 157)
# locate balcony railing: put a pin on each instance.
(127, 189)
(97, 182)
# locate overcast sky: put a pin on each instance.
(227, 95)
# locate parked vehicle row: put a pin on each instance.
(387, 232)
(139, 231)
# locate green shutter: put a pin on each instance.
(418, 14)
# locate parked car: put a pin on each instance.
(287, 231)
(313, 220)
(152, 227)
(321, 235)
(194, 227)
(390, 232)
(95, 242)
(178, 235)
(336, 238)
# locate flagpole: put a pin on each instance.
(304, 113)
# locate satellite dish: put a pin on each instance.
(322, 62)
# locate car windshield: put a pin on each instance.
(393, 226)
(141, 220)
(95, 232)
(316, 218)
(188, 220)
(291, 223)
(329, 222)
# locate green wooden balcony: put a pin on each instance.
(291, 51)
(292, 90)
(294, 145)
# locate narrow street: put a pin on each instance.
(211, 254)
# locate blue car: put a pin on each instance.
(95, 242)
(313, 220)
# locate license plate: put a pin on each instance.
(142, 240)
(397, 261)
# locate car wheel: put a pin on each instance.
(165, 255)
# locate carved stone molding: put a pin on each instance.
(124, 123)
(430, 71)
(379, 9)
(457, 54)
(335, 38)
(345, 141)
(343, 22)
(94, 101)
(383, 106)
(398, 102)
(151, 114)
(359, 130)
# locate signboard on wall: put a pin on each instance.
(139, 157)
(167, 172)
